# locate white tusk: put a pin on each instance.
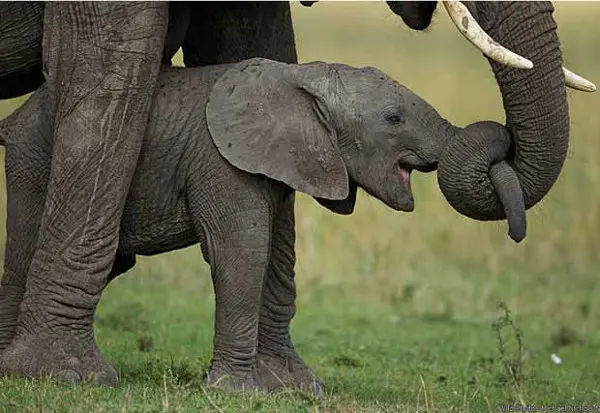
(575, 81)
(468, 26)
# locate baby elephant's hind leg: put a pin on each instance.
(27, 167)
(279, 365)
(24, 213)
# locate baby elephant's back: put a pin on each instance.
(179, 104)
(176, 129)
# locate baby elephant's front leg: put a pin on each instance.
(279, 365)
(239, 255)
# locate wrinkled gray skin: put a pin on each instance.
(225, 148)
(480, 149)
(98, 108)
(21, 31)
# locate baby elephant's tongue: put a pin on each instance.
(405, 175)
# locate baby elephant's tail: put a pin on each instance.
(11, 124)
(6, 127)
(29, 123)
(4, 130)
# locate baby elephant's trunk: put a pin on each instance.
(476, 154)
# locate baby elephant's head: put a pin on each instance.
(325, 129)
(384, 131)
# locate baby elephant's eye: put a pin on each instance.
(394, 118)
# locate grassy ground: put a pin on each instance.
(396, 312)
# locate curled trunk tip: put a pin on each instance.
(505, 182)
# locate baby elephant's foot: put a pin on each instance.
(287, 371)
(231, 379)
(60, 355)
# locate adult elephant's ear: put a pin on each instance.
(271, 118)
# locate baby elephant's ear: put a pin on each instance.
(343, 206)
(264, 120)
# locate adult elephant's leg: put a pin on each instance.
(279, 365)
(227, 32)
(102, 61)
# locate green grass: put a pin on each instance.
(396, 312)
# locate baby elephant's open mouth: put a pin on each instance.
(406, 167)
(405, 200)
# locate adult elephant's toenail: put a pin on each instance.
(103, 378)
(68, 376)
(317, 389)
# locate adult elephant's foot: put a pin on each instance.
(231, 379)
(63, 354)
(10, 300)
(287, 370)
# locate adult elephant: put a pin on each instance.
(101, 62)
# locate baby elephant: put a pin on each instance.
(225, 148)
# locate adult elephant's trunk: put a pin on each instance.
(535, 103)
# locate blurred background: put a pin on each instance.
(437, 261)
